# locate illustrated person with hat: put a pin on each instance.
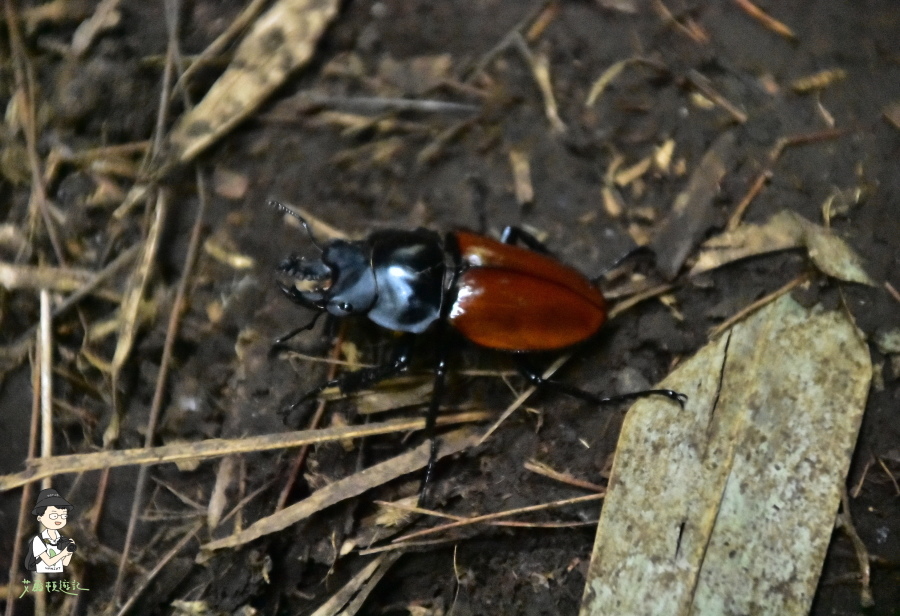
(50, 551)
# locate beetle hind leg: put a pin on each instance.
(535, 378)
(517, 235)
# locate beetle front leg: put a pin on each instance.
(535, 378)
(352, 382)
(440, 374)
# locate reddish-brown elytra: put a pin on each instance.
(514, 299)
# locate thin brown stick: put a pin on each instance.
(459, 518)
(716, 331)
(218, 447)
(299, 460)
(178, 308)
(96, 511)
(765, 19)
(700, 81)
(858, 487)
(339, 601)
(237, 25)
(499, 514)
(430, 543)
(506, 41)
(243, 502)
(542, 469)
(693, 32)
(65, 279)
(741, 207)
(890, 475)
(25, 503)
(90, 29)
(129, 311)
(386, 104)
(346, 488)
(636, 299)
(162, 114)
(774, 154)
(890, 289)
(807, 138)
(149, 577)
(24, 80)
(46, 355)
(406, 546)
(845, 520)
(540, 71)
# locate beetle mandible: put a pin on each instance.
(497, 294)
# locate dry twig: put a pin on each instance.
(347, 487)
(741, 314)
(845, 521)
(148, 578)
(300, 458)
(500, 514)
(215, 448)
(178, 308)
(765, 19)
(542, 469)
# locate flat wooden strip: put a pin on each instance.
(726, 507)
(40, 468)
(345, 488)
(692, 212)
(282, 39)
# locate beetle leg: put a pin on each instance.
(437, 392)
(351, 382)
(293, 294)
(537, 380)
(302, 328)
(645, 252)
(518, 235)
(479, 201)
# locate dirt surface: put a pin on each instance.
(332, 142)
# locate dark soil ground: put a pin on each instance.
(418, 168)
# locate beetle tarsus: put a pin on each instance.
(518, 235)
(537, 380)
(302, 328)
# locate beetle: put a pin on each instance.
(509, 295)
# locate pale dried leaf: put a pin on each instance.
(218, 500)
(280, 41)
(784, 231)
(727, 505)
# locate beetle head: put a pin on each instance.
(340, 282)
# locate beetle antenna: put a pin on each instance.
(286, 210)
